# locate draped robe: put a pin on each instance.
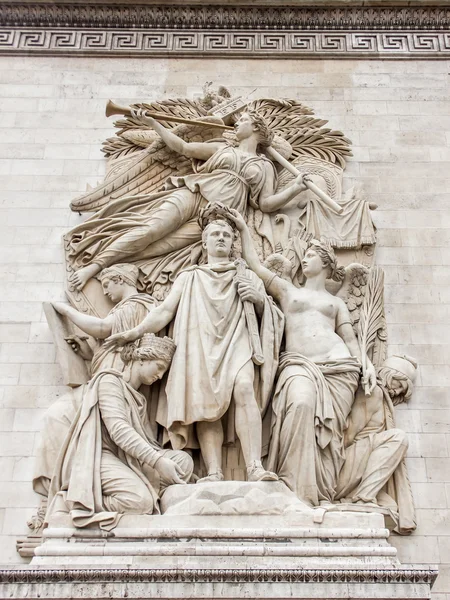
(213, 345)
(115, 233)
(306, 446)
(126, 314)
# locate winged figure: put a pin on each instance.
(159, 176)
(361, 288)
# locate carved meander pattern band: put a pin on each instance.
(124, 30)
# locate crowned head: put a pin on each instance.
(218, 231)
(150, 357)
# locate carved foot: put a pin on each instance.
(256, 472)
(212, 477)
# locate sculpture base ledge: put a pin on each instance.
(312, 553)
(297, 556)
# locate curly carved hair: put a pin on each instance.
(328, 257)
(265, 134)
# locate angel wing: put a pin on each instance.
(144, 171)
(362, 291)
(352, 290)
(138, 160)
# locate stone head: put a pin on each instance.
(397, 375)
(251, 123)
(117, 281)
(320, 256)
(149, 357)
(218, 238)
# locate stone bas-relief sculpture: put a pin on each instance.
(213, 365)
(374, 472)
(318, 373)
(276, 313)
(109, 464)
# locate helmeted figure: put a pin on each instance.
(374, 472)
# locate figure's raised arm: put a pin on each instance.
(158, 318)
(200, 150)
(278, 287)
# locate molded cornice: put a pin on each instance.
(338, 29)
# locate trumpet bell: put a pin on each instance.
(115, 109)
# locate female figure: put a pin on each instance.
(318, 374)
(153, 226)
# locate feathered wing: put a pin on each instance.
(134, 133)
(138, 160)
(353, 291)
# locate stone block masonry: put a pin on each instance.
(397, 113)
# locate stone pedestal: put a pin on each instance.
(291, 552)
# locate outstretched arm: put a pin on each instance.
(270, 202)
(158, 318)
(98, 328)
(200, 150)
(278, 287)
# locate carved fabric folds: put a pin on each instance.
(126, 315)
(399, 487)
(213, 345)
(306, 445)
(77, 472)
(351, 229)
(116, 233)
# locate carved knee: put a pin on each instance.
(243, 390)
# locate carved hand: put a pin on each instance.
(248, 292)
(142, 116)
(169, 471)
(237, 219)
(120, 339)
(79, 345)
(299, 184)
(369, 379)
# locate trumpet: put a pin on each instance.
(115, 109)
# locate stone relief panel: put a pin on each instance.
(222, 298)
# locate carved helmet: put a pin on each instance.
(403, 364)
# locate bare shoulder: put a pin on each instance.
(340, 304)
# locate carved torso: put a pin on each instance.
(312, 319)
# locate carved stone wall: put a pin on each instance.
(397, 115)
